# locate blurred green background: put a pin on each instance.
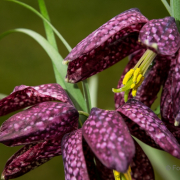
(23, 61)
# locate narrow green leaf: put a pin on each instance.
(44, 19)
(86, 95)
(49, 32)
(167, 6)
(175, 9)
(72, 89)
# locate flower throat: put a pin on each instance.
(134, 77)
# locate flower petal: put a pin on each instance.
(105, 46)
(141, 168)
(77, 157)
(153, 80)
(163, 33)
(175, 88)
(30, 157)
(109, 138)
(41, 122)
(169, 90)
(24, 96)
(154, 127)
(174, 130)
(134, 58)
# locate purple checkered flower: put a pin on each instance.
(40, 127)
(156, 43)
(51, 115)
(130, 33)
(124, 34)
(104, 137)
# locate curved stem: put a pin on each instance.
(80, 122)
(87, 97)
(83, 113)
(93, 88)
(44, 19)
(49, 31)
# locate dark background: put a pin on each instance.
(23, 61)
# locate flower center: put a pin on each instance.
(123, 176)
(134, 77)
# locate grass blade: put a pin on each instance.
(72, 89)
(44, 19)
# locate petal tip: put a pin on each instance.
(69, 80)
(176, 123)
(2, 176)
(65, 62)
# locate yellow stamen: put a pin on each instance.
(139, 78)
(135, 75)
(128, 174)
(133, 85)
(117, 175)
(134, 91)
(140, 82)
(128, 76)
(124, 176)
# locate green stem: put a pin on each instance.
(175, 11)
(87, 97)
(52, 41)
(93, 88)
(83, 113)
(80, 122)
(49, 33)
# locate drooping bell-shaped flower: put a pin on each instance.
(164, 72)
(105, 139)
(119, 37)
(153, 46)
(105, 46)
(146, 126)
(163, 35)
(40, 127)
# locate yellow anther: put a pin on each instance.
(132, 85)
(128, 76)
(128, 174)
(139, 78)
(124, 176)
(117, 175)
(134, 91)
(136, 73)
(140, 82)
